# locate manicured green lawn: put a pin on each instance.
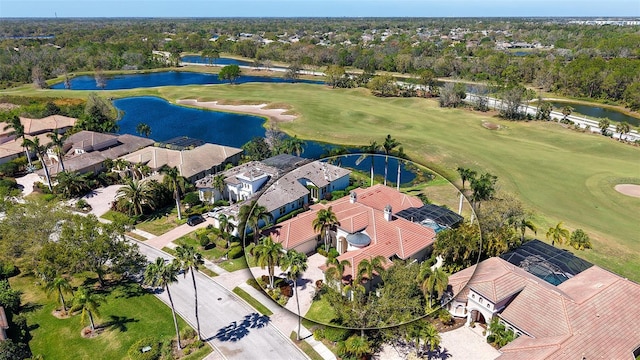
(161, 221)
(253, 302)
(320, 312)
(561, 174)
(213, 253)
(133, 314)
(305, 347)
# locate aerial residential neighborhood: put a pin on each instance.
(319, 182)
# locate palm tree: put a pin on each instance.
(580, 240)
(566, 111)
(162, 274)
(466, 174)
(388, 146)
(61, 285)
(296, 264)
(622, 128)
(356, 346)
(137, 195)
(250, 216)
(335, 269)
(72, 183)
(191, 260)
(335, 155)
(369, 151)
(603, 124)
(431, 338)
(57, 142)
(88, 303)
(293, 145)
(367, 267)
(176, 184)
(18, 130)
(557, 234)
(523, 225)
(40, 150)
(226, 227)
(434, 282)
(268, 254)
(219, 184)
(143, 129)
(324, 221)
(483, 188)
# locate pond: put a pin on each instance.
(168, 121)
(596, 113)
(165, 78)
(197, 59)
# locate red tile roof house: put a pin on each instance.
(593, 315)
(11, 148)
(367, 228)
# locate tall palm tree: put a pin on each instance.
(434, 282)
(72, 183)
(369, 151)
(40, 150)
(268, 254)
(88, 303)
(622, 128)
(219, 184)
(557, 234)
(566, 111)
(57, 142)
(431, 338)
(335, 155)
(137, 195)
(191, 260)
(294, 146)
(324, 221)
(603, 124)
(60, 285)
(162, 274)
(367, 267)
(296, 264)
(466, 174)
(226, 227)
(522, 225)
(250, 216)
(176, 184)
(388, 146)
(18, 131)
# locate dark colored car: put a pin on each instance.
(195, 220)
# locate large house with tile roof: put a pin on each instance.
(592, 315)
(368, 228)
(193, 164)
(11, 148)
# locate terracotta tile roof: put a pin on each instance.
(189, 162)
(398, 237)
(591, 315)
(37, 126)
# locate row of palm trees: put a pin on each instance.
(269, 254)
(162, 273)
(387, 147)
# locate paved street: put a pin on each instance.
(227, 323)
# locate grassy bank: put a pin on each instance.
(561, 174)
(129, 315)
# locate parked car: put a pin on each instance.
(195, 220)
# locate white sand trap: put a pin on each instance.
(628, 189)
(275, 114)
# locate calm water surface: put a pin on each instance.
(595, 113)
(169, 120)
(165, 78)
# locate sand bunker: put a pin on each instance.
(274, 114)
(628, 189)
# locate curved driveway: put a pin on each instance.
(226, 322)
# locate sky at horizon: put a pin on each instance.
(317, 8)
